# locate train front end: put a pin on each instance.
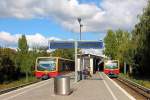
(111, 68)
(46, 67)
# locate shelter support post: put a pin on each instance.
(76, 62)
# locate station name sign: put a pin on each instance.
(61, 44)
(71, 44)
(90, 44)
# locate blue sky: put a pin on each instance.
(47, 27)
(41, 20)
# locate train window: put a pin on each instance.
(46, 64)
(111, 65)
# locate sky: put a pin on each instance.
(43, 20)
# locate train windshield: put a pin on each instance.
(111, 65)
(46, 64)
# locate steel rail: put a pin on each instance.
(136, 87)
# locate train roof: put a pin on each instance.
(55, 58)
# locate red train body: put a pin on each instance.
(111, 68)
(47, 67)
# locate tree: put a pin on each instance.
(141, 36)
(8, 69)
(134, 47)
(23, 56)
(64, 53)
(117, 45)
(22, 45)
(110, 44)
(123, 45)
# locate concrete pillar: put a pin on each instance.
(83, 67)
(78, 68)
(76, 63)
(91, 65)
(83, 64)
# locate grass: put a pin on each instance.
(18, 82)
(142, 81)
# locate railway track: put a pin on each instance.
(2, 91)
(145, 92)
(16, 87)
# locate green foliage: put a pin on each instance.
(132, 48)
(20, 63)
(8, 70)
(25, 58)
(23, 54)
(117, 44)
(123, 47)
(141, 37)
(22, 45)
(64, 53)
(110, 44)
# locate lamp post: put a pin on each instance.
(79, 20)
(80, 72)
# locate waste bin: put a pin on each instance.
(62, 85)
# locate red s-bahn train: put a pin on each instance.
(111, 68)
(47, 67)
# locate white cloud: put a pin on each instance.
(6, 39)
(5, 36)
(37, 39)
(10, 40)
(109, 14)
(54, 38)
(97, 52)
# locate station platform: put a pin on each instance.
(97, 87)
